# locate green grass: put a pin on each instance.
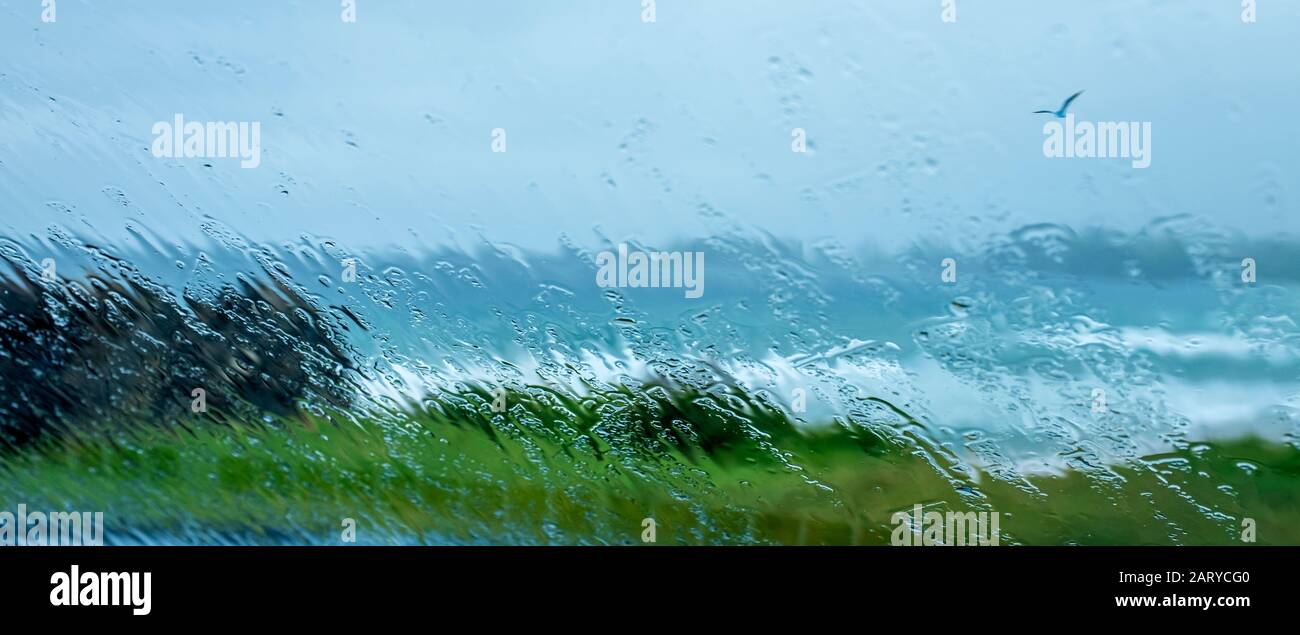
(711, 468)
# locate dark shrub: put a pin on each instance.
(109, 352)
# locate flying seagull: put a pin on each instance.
(1060, 114)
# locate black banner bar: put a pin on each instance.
(233, 584)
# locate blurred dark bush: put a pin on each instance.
(105, 352)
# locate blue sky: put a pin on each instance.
(379, 130)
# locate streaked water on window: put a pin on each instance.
(395, 318)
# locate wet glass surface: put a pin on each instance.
(417, 306)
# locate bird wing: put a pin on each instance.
(1070, 100)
